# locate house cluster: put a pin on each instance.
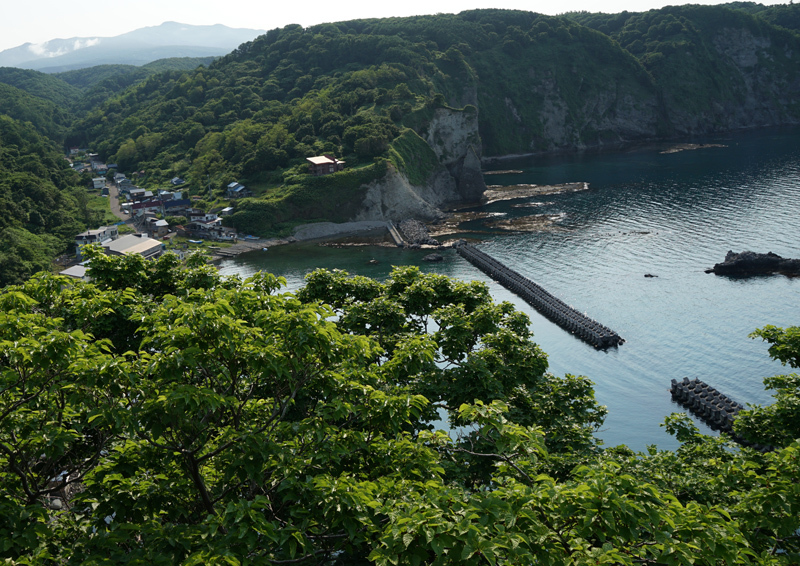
(113, 244)
(207, 225)
(82, 160)
(141, 201)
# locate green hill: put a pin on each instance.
(42, 207)
(48, 118)
(41, 85)
(481, 83)
(539, 84)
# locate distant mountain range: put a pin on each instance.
(139, 47)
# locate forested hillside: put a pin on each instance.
(42, 207)
(413, 104)
(538, 83)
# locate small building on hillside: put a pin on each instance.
(324, 165)
(237, 190)
(98, 182)
(159, 228)
(176, 207)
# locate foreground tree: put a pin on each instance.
(192, 419)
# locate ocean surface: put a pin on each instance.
(671, 215)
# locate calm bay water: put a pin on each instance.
(670, 215)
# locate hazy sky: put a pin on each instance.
(36, 21)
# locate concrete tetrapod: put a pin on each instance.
(548, 305)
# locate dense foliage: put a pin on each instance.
(42, 207)
(167, 415)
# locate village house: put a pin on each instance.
(176, 207)
(159, 228)
(77, 271)
(139, 208)
(237, 190)
(98, 182)
(195, 215)
(170, 195)
(136, 193)
(324, 165)
(98, 236)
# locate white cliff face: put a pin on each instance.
(453, 136)
(452, 133)
(394, 198)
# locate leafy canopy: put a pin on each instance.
(163, 414)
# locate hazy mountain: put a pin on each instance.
(139, 47)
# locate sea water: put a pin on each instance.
(671, 215)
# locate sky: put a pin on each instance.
(36, 21)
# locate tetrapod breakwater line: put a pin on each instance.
(555, 309)
(715, 409)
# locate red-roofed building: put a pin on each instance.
(324, 165)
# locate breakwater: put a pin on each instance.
(552, 307)
(714, 408)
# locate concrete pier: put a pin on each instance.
(394, 233)
(555, 309)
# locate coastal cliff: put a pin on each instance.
(683, 71)
(440, 166)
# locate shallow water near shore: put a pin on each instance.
(667, 214)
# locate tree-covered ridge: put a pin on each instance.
(48, 118)
(362, 89)
(784, 15)
(168, 415)
(42, 207)
(539, 83)
(41, 85)
(100, 83)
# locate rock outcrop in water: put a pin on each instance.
(752, 263)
